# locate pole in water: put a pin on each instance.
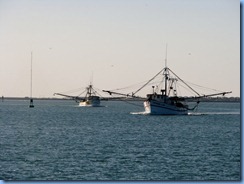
(31, 100)
(31, 103)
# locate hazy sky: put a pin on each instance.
(118, 42)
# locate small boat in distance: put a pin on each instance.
(91, 98)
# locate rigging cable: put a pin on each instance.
(72, 91)
(81, 93)
(185, 83)
(204, 87)
(186, 88)
(147, 83)
(95, 90)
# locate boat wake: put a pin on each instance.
(146, 113)
(140, 113)
(222, 113)
(194, 113)
(213, 113)
(88, 106)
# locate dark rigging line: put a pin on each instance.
(185, 83)
(147, 82)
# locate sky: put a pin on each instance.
(116, 43)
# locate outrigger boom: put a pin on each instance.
(72, 97)
(195, 97)
(204, 96)
(122, 94)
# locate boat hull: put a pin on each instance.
(90, 103)
(155, 107)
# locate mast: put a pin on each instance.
(31, 100)
(89, 89)
(166, 72)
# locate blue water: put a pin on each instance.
(57, 140)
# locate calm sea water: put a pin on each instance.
(57, 140)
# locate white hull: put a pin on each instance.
(90, 103)
(156, 107)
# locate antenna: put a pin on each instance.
(91, 80)
(166, 56)
(166, 73)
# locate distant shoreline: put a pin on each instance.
(216, 99)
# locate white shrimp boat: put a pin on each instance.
(91, 99)
(164, 104)
(165, 101)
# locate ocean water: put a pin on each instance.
(58, 140)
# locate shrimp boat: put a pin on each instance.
(162, 103)
(91, 98)
(165, 100)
